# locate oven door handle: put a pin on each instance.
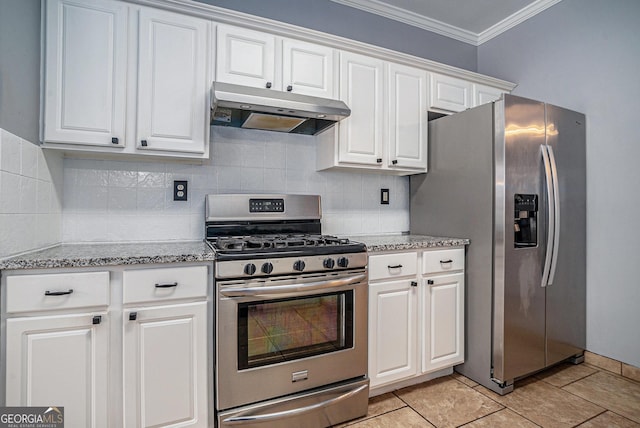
(252, 419)
(291, 288)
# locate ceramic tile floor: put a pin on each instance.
(583, 396)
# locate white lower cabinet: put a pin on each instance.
(416, 315)
(392, 331)
(124, 347)
(165, 373)
(443, 321)
(60, 360)
(57, 344)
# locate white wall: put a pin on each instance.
(133, 201)
(585, 55)
(30, 195)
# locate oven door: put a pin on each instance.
(278, 336)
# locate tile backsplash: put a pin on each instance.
(30, 195)
(107, 200)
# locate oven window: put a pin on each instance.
(274, 331)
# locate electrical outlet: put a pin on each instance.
(179, 190)
(384, 196)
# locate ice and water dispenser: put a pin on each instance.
(525, 221)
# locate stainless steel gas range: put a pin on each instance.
(290, 314)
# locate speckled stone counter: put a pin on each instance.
(87, 255)
(376, 243)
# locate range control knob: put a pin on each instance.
(328, 263)
(249, 269)
(267, 268)
(343, 262)
(298, 265)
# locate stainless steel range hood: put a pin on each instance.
(268, 109)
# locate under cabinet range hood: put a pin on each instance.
(268, 109)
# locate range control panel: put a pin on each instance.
(289, 265)
(266, 205)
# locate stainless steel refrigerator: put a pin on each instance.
(510, 175)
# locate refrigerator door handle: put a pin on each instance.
(551, 221)
(556, 209)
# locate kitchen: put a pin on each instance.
(287, 164)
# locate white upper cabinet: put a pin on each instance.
(450, 93)
(407, 104)
(85, 73)
(246, 57)
(121, 78)
(261, 60)
(308, 69)
(172, 82)
(387, 129)
(485, 94)
(361, 88)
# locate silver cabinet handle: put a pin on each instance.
(252, 419)
(291, 288)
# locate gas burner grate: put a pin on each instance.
(248, 243)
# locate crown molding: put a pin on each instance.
(402, 15)
(517, 18)
(410, 18)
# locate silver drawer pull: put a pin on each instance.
(446, 261)
(58, 293)
(168, 285)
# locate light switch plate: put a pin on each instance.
(384, 196)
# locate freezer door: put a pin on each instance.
(520, 242)
(566, 294)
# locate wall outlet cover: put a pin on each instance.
(180, 190)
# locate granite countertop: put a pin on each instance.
(407, 242)
(85, 255)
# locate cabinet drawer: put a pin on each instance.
(442, 261)
(150, 285)
(393, 265)
(57, 291)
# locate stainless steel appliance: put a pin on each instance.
(510, 175)
(267, 109)
(290, 316)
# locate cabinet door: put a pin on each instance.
(246, 57)
(165, 373)
(449, 93)
(85, 72)
(307, 69)
(485, 94)
(407, 105)
(172, 82)
(443, 321)
(392, 331)
(361, 87)
(60, 361)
